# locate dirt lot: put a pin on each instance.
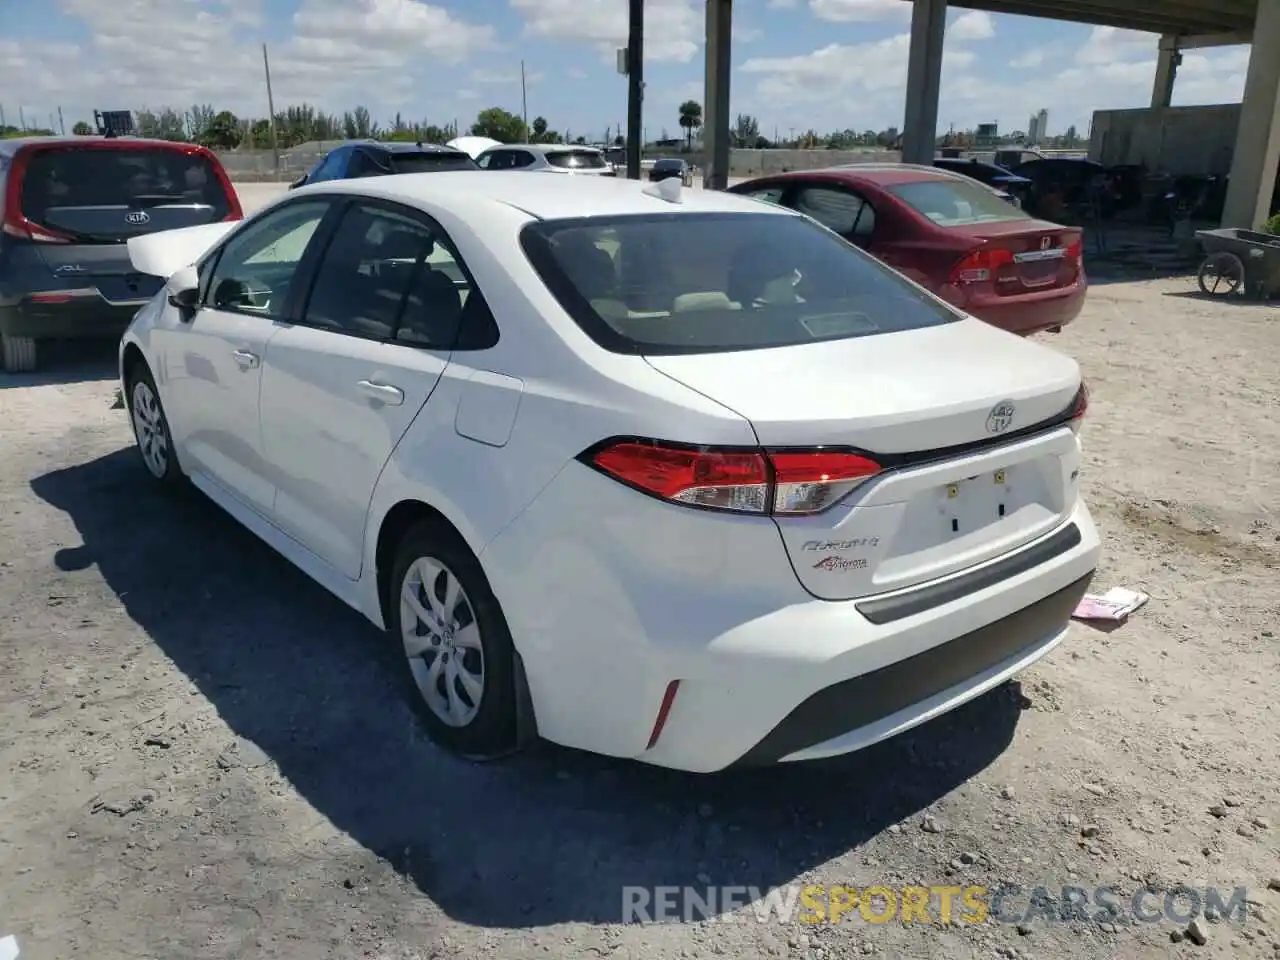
(205, 756)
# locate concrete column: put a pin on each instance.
(715, 108)
(924, 80)
(1257, 152)
(1170, 59)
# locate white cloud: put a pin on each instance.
(673, 28)
(860, 11)
(784, 4)
(972, 25)
(1033, 57)
(1110, 44)
(341, 51)
(745, 34)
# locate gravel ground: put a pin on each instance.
(205, 756)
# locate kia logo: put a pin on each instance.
(137, 218)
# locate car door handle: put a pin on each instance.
(382, 392)
(246, 360)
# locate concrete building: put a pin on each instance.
(1185, 24)
(1038, 127)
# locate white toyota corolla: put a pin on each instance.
(653, 472)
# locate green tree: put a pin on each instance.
(539, 132)
(222, 132)
(498, 124)
(82, 129)
(746, 129)
(690, 120)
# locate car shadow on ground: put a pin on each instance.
(67, 362)
(550, 836)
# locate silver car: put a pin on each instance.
(547, 158)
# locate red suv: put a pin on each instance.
(952, 235)
(67, 207)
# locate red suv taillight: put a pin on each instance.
(762, 482)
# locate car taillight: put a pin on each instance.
(981, 265)
(787, 482)
(235, 212)
(1075, 254)
(15, 223)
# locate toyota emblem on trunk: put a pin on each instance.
(1001, 417)
(137, 217)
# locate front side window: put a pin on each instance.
(716, 282)
(254, 271)
(955, 203)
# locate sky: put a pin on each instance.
(797, 64)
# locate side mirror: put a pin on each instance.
(183, 289)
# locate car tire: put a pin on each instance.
(151, 427)
(19, 353)
(459, 670)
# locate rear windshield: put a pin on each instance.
(716, 282)
(427, 162)
(577, 160)
(954, 203)
(109, 195)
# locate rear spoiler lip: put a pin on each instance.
(165, 252)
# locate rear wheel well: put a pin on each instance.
(399, 520)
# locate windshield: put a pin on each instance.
(716, 282)
(109, 195)
(954, 203)
(428, 162)
(577, 159)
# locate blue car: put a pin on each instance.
(1013, 186)
(375, 158)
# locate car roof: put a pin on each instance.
(542, 198)
(547, 147)
(402, 146)
(12, 146)
(881, 174)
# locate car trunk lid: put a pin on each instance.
(1017, 257)
(968, 423)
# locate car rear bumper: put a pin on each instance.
(1032, 313)
(83, 318)
(766, 673)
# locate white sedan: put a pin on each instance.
(658, 473)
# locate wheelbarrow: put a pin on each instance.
(1239, 263)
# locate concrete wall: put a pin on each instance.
(1182, 141)
(258, 166)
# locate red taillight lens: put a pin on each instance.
(981, 265)
(1079, 407)
(743, 481)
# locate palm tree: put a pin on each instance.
(690, 120)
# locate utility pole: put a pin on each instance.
(635, 88)
(2, 123)
(61, 124)
(271, 108)
(22, 118)
(524, 103)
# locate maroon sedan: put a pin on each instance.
(950, 234)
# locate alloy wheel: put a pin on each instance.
(442, 641)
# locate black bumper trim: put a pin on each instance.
(859, 701)
(903, 605)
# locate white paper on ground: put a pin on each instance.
(1116, 604)
(8, 948)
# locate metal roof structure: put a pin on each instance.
(1176, 17)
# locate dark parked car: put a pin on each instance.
(68, 205)
(379, 159)
(671, 168)
(954, 237)
(994, 176)
(1062, 186)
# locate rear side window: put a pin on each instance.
(428, 162)
(954, 203)
(109, 195)
(715, 282)
(577, 160)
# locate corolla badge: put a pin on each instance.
(137, 217)
(1001, 417)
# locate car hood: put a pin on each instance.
(165, 252)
